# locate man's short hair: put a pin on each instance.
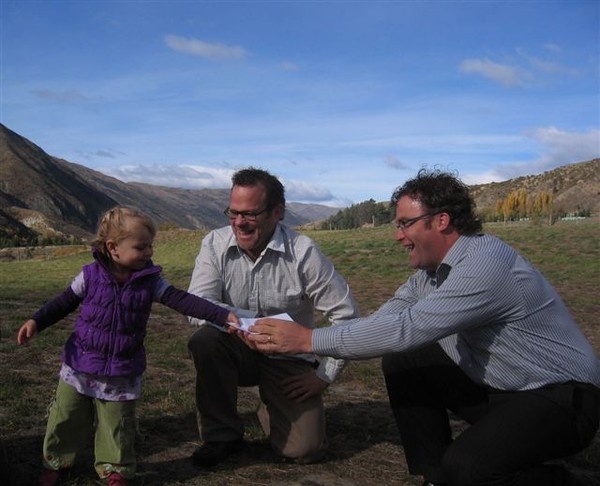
(252, 176)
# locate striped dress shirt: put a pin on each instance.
(495, 315)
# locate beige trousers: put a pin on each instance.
(223, 363)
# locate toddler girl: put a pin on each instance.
(104, 357)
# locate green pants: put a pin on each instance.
(74, 416)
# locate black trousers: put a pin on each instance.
(511, 435)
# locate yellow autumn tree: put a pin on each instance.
(521, 203)
(543, 206)
(515, 206)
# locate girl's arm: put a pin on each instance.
(50, 313)
(192, 305)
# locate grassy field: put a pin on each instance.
(364, 443)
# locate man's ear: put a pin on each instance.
(444, 221)
(279, 210)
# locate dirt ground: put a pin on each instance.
(364, 449)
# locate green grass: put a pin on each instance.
(364, 443)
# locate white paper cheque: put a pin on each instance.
(247, 322)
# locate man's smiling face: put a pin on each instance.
(253, 236)
(417, 233)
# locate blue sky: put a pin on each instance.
(343, 100)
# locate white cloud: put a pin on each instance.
(289, 66)
(306, 192)
(552, 67)
(203, 49)
(502, 73)
(483, 178)
(544, 66)
(104, 153)
(553, 47)
(60, 96)
(556, 149)
(562, 147)
(394, 162)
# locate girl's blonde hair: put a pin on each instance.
(114, 225)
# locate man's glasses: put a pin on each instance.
(246, 215)
(407, 223)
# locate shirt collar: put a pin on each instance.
(456, 252)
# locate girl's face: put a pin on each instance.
(133, 252)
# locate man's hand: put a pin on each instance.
(276, 336)
(302, 387)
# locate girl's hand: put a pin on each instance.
(233, 319)
(27, 331)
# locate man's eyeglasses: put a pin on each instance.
(246, 215)
(407, 223)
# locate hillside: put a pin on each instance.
(48, 196)
(575, 187)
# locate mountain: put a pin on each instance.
(51, 197)
(45, 196)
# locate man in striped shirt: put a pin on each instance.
(477, 330)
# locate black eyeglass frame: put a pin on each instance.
(407, 223)
(246, 215)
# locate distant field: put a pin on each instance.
(364, 443)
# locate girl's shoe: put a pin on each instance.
(115, 479)
(49, 477)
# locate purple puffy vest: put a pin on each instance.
(108, 339)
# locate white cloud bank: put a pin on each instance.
(557, 148)
(182, 176)
(201, 177)
(561, 147)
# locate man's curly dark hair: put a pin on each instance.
(439, 191)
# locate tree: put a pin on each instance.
(367, 212)
(543, 206)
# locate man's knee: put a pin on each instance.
(300, 435)
(303, 452)
(475, 466)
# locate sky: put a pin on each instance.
(342, 100)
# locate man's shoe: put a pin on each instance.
(212, 453)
